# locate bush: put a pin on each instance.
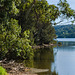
(3, 71)
(12, 45)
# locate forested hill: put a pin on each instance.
(65, 31)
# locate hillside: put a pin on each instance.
(65, 31)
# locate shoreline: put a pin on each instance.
(43, 46)
(14, 68)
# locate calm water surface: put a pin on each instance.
(66, 39)
(64, 57)
(60, 60)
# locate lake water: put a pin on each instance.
(64, 57)
(66, 39)
(59, 60)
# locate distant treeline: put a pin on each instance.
(65, 31)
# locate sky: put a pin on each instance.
(71, 3)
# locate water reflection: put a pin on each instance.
(43, 60)
(59, 60)
(64, 59)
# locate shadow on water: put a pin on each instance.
(43, 59)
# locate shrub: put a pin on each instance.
(2, 71)
(12, 45)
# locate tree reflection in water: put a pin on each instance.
(43, 59)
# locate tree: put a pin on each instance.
(65, 12)
(25, 22)
(12, 45)
(37, 17)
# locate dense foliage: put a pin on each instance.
(24, 23)
(65, 31)
(12, 45)
(37, 16)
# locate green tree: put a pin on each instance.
(12, 45)
(25, 22)
(37, 17)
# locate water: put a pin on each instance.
(43, 60)
(59, 60)
(64, 58)
(66, 39)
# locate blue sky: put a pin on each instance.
(71, 2)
